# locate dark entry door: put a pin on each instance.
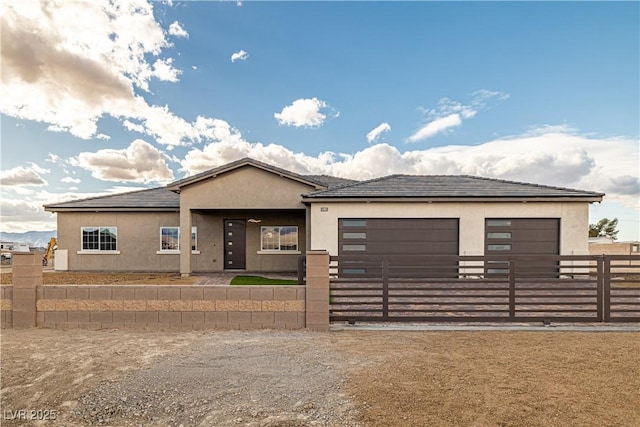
(235, 231)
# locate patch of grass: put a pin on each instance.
(260, 281)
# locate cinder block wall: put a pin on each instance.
(171, 307)
(6, 307)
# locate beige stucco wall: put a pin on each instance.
(243, 191)
(574, 221)
(139, 240)
(244, 188)
(211, 240)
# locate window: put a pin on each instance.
(354, 248)
(346, 235)
(279, 238)
(99, 238)
(194, 239)
(499, 247)
(499, 223)
(505, 235)
(354, 222)
(170, 238)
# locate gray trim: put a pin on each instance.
(496, 199)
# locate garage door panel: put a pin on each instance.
(537, 248)
(524, 236)
(395, 235)
(541, 235)
(407, 239)
(535, 224)
(409, 248)
(412, 223)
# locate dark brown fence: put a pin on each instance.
(485, 288)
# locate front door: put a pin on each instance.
(235, 244)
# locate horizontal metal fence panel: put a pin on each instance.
(580, 288)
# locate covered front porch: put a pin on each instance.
(247, 240)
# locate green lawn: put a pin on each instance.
(259, 280)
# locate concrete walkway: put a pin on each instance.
(538, 327)
(224, 278)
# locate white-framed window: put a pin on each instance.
(103, 239)
(279, 238)
(194, 239)
(170, 239)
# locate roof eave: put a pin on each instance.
(588, 199)
(111, 209)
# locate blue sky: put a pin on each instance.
(99, 98)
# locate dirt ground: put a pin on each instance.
(50, 277)
(298, 378)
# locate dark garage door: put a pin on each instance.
(523, 236)
(408, 239)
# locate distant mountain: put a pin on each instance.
(31, 238)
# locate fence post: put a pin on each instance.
(301, 269)
(512, 289)
(600, 288)
(385, 288)
(27, 275)
(317, 292)
(606, 285)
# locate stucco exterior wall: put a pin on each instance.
(138, 240)
(240, 194)
(574, 221)
(244, 188)
(211, 239)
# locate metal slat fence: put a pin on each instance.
(485, 288)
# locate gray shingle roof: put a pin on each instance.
(243, 162)
(446, 186)
(330, 181)
(154, 199)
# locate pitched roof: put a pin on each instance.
(448, 187)
(154, 199)
(306, 179)
(330, 181)
(168, 198)
(431, 187)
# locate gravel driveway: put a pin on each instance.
(285, 380)
(298, 378)
(194, 379)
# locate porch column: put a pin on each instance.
(307, 227)
(185, 241)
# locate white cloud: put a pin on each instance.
(302, 112)
(551, 156)
(450, 114)
(69, 72)
(240, 55)
(19, 213)
(176, 29)
(23, 176)
(23, 215)
(379, 130)
(140, 162)
(435, 127)
(163, 70)
(71, 180)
